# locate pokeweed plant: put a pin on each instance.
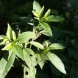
(22, 46)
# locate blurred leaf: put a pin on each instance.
(56, 46)
(47, 13)
(36, 13)
(7, 46)
(53, 18)
(2, 37)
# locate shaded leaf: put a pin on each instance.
(39, 60)
(56, 46)
(53, 18)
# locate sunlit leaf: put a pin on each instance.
(7, 46)
(25, 36)
(56, 61)
(41, 11)
(9, 32)
(47, 30)
(13, 35)
(37, 44)
(18, 51)
(47, 13)
(29, 72)
(36, 6)
(5, 65)
(53, 18)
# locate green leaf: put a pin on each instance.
(7, 46)
(37, 44)
(36, 13)
(2, 37)
(25, 36)
(27, 58)
(53, 18)
(9, 32)
(39, 60)
(41, 11)
(13, 35)
(32, 56)
(36, 6)
(18, 51)
(31, 72)
(3, 63)
(9, 63)
(47, 13)
(56, 46)
(5, 66)
(56, 61)
(47, 30)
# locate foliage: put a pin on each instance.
(28, 48)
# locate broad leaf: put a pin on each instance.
(56, 46)
(9, 63)
(37, 44)
(36, 6)
(25, 36)
(29, 72)
(5, 66)
(56, 61)
(53, 18)
(18, 51)
(29, 57)
(3, 63)
(36, 13)
(47, 30)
